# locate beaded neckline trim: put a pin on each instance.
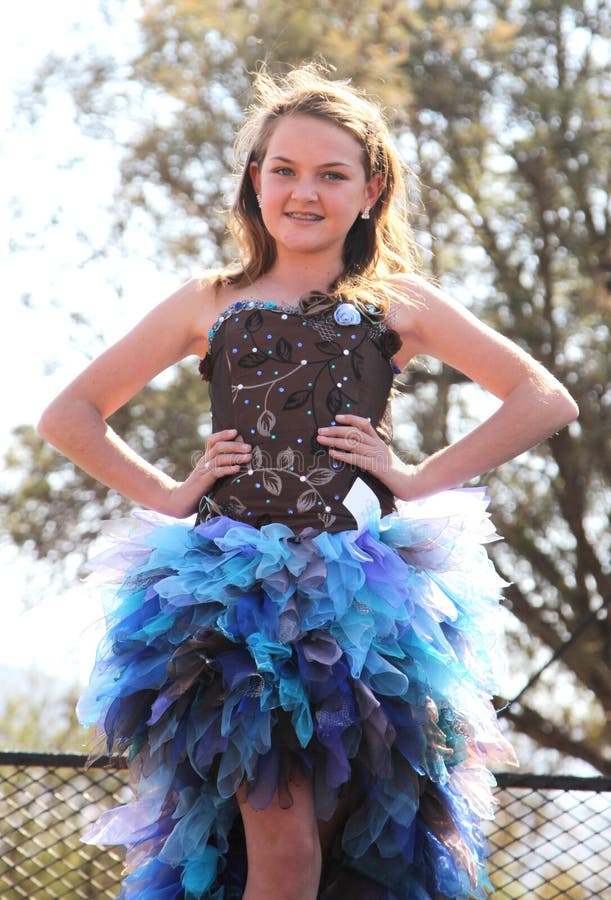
(241, 305)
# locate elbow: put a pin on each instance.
(57, 423)
(48, 425)
(565, 409)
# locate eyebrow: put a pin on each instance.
(322, 166)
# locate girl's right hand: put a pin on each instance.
(224, 454)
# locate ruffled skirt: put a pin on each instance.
(239, 661)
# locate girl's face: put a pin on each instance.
(312, 185)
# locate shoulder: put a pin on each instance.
(415, 306)
(420, 305)
(202, 299)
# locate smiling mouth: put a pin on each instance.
(304, 217)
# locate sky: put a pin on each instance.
(54, 194)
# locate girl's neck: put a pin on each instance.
(293, 279)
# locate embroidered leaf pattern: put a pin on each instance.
(285, 458)
(331, 348)
(306, 500)
(334, 400)
(256, 460)
(321, 476)
(327, 519)
(266, 422)
(284, 349)
(237, 505)
(297, 399)
(254, 321)
(272, 482)
(252, 359)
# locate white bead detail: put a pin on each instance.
(346, 352)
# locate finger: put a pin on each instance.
(351, 442)
(226, 435)
(353, 459)
(364, 424)
(350, 419)
(228, 459)
(229, 447)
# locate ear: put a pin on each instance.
(255, 176)
(374, 188)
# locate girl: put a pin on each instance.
(302, 679)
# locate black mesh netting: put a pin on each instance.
(551, 837)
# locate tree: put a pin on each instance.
(502, 110)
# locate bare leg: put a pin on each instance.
(283, 849)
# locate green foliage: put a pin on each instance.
(55, 509)
(39, 715)
(502, 110)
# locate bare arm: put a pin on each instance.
(75, 422)
(534, 403)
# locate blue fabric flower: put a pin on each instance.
(346, 314)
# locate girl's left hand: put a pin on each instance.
(355, 441)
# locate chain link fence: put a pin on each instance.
(551, 837)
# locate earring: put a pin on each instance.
(259, 199)
(365, 213)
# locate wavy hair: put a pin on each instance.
(374, 248)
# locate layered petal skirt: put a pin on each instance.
(239, 661)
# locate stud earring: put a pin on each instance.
(365, 213)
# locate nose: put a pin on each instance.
(304, 189)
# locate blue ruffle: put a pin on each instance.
(234, 654)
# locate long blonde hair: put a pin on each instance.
(374, 247)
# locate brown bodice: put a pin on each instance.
(277, 375)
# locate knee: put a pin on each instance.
(288, 859)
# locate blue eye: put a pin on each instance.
(283, 170)
(335, 176)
